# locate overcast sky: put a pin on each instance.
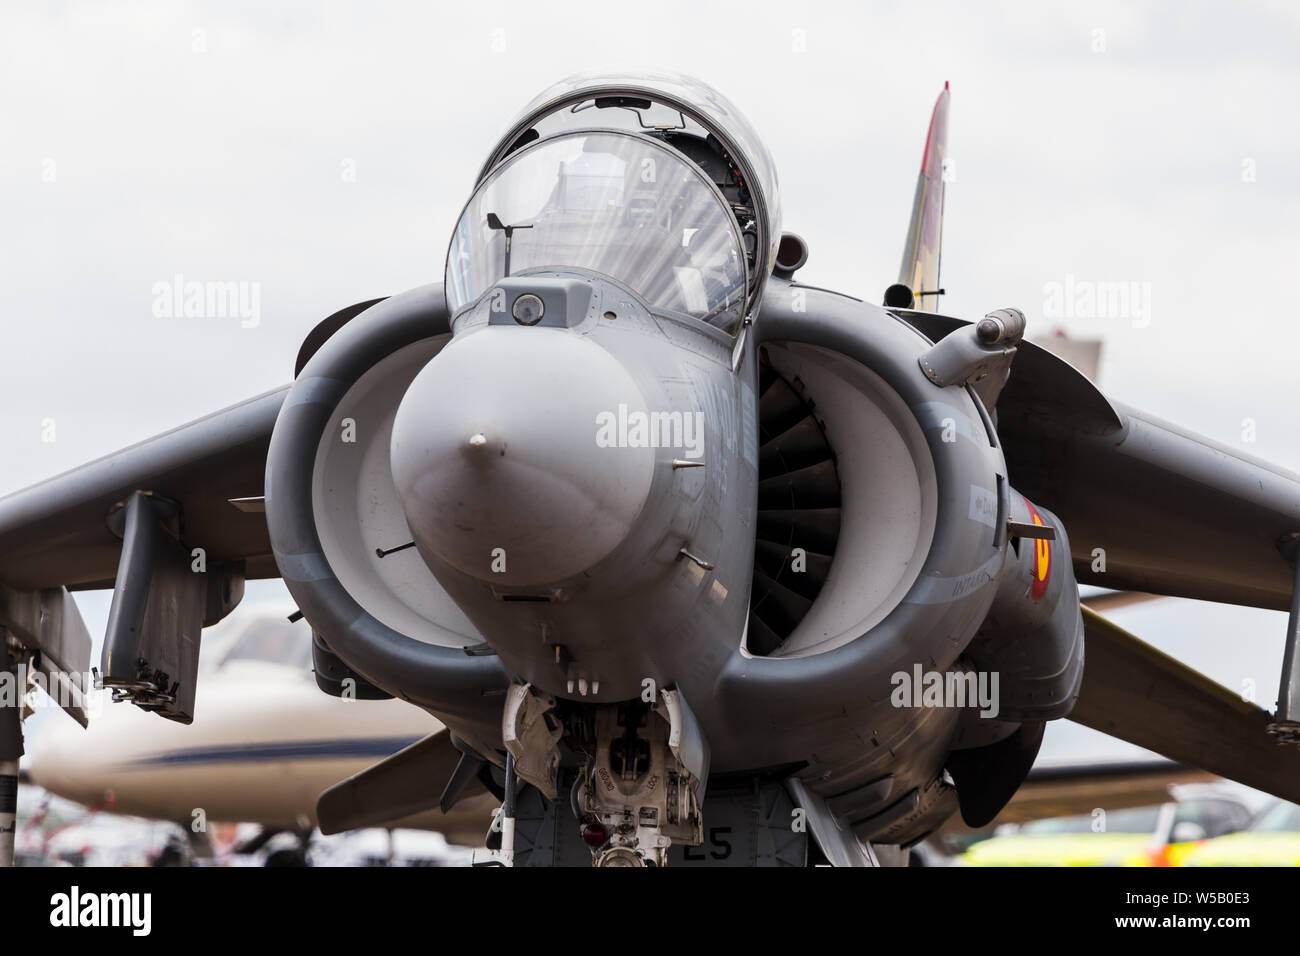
(322, 152)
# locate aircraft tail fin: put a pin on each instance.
(919, 273)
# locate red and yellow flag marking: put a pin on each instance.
(1042, 557)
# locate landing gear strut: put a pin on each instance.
(641, 792)
(11, 748)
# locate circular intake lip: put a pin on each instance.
(951, 592)
(446, 679)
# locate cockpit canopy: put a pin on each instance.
(579, 155)
(624, 206)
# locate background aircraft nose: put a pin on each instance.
(496, 460)
(58, 760)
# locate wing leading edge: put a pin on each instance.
(57, 533)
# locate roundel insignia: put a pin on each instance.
(1042, 558)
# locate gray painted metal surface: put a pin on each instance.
(49, 628)
(1173, 512)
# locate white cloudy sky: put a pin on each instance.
(1102, 141)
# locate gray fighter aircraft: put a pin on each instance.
(698, 563)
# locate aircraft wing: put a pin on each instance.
(1152, 507)
(143, 521)
(56, 533)
(1149, 506)
(1136, 693)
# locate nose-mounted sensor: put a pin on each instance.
(528, 309)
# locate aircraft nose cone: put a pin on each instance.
(496, 459)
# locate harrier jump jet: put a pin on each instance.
(699, 564)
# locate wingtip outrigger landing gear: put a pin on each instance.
(1286, 724)
(11, 749)
(42, 639)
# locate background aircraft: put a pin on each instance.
(264, 746)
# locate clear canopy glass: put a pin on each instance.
(622, 205)
(610, 101)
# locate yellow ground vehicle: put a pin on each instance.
(1157, 835)
(1273, 840)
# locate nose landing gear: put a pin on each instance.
(641, 792)
(640, 765)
